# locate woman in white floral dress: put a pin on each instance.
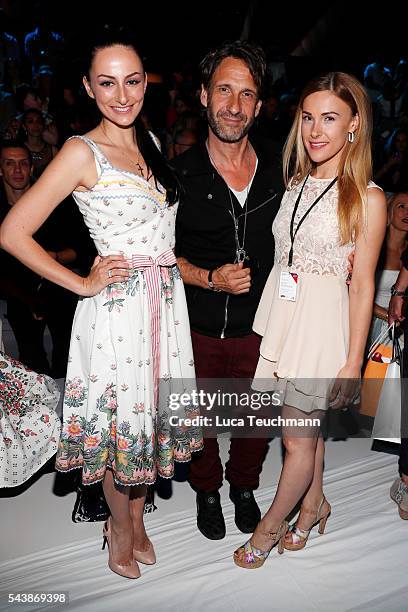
(131, 325)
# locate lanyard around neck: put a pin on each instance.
(292, 222)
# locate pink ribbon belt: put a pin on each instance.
(154, 269)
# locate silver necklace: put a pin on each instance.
(38, 155)
(240, 252)
(137, 164)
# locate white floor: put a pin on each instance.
(359, 564)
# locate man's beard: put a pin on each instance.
(226, 133)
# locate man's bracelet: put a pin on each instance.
(210, 281)
(396, 293)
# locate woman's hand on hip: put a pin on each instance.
(104, 272)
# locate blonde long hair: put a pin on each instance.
(355, 166)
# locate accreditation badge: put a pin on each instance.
(288, 284)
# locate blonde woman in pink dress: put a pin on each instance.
(314, 328)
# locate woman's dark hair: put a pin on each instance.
(155, 160)
(252, 55)
(22, 132)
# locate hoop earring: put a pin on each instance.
(350, 136)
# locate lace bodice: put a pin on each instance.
(317, 248)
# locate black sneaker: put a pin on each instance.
(210, 519)
(247, 512)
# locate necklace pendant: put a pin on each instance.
(241, 255)
(140, 169)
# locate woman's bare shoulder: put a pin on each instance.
(375, 195)
(77, 150)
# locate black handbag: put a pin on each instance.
(90, 505)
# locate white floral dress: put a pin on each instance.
(29, 425)
(127, 338)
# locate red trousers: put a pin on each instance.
(227, 358)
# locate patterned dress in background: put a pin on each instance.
(127, 338)
(29, 425)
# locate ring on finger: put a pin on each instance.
(110, 273)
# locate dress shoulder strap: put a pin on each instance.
(372, 185)
(100, 159)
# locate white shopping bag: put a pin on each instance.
(387, 423)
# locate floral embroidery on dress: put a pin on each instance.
(112, 292)
(133, 283)
(12, 390)
(75, 393)
(168, 277)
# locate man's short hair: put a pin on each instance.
(16, 144)
(252, 55)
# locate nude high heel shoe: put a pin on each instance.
(127, 571)
(148, 557)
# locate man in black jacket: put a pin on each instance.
(232, 189)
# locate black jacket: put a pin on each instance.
(205, 235)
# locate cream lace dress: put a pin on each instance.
(305, 343)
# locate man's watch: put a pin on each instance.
(396, 293)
